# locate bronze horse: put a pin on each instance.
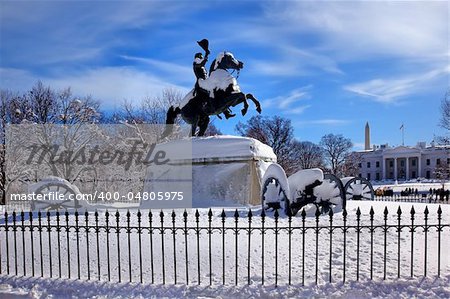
(218, 92)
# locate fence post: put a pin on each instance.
(119, 270)
(399, 230)
(97, 230)
(128, 215)
(236, 219)
(303, 245)
(330, 214)
(32, 243)
(58, 233)
(317, 243)
(344, 216)
(289, 214)
(250, 215)
(426, 240)
(49, 228)
(86, 222)
(358, 230)
(161, 216)
(107, 229)
(15, 241)
(139, 215)
(185, 215)
(77, 231)
(150, 230)
(371, 213)
(263, 232)
(276, 215)
(197, 231)
(210, 214)
(412, 240)
(22, 214)
(439, 230)
(223, 215)
(7, 242)
(66, 214)
(385, 228)
(174, 247)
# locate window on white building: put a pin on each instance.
(377, 164)
(428, 161)
(368, 164)
(438, 161)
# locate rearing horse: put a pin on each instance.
(218, 92)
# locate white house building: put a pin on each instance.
(402, 162)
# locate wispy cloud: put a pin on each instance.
(323, 122)
(310, 58)
(64, 31)
(110, 85)
(297, 110)
(294, 61)
(287, 103)
(391, 90)
(175, 71)
(366, 28)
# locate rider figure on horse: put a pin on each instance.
(201, 74)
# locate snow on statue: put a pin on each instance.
(213, 94)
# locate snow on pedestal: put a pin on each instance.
(225, 168)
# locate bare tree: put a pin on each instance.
(445, 111)
(307, 154)
(5, 101)
(277, 132)
(445, 119)
(442, 171)
(152, 110)
(42, 104)
(45, 106)
(212, 130)
(351, 164)
(336, 149)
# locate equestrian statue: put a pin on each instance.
(213, 94)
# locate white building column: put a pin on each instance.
(395, 168)
(384, 168)
(407, 168)
(419, 169)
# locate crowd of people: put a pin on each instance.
(435, 194)
(439, 194)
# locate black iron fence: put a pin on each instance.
(224, 247)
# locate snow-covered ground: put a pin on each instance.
(392, 287)
(12, 288)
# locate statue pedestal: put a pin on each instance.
(226, 169)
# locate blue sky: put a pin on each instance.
(329, 66)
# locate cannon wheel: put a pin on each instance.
(58, 188)
(334, 179)
(367, 189)
(282, 202)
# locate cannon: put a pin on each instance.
(310, 189)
